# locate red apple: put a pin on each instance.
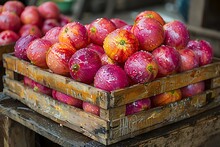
(30, 15)
(74, 34)
(82, 62)
(49, 24)
(120, 44)
(168, 60)
(49, 10)
(36, 52)
(118, 22)
(150, 14)
(91, 108)
(9, 21)
(149, 32)
(21, 46)
(137, 106)
(42, 89)
(52, 35)
(16, 7)
(141, 67)
(99, 29)
(166, 98)
(176, 34)
(96, 48)
(203, 50)
(193, 89)
(110, 77)
(58, 56)
(188, 60)
(106, 60)
(127, 27)
(37, 86)
(28, 82)
(63, 20)
(8, 37)
(67, 99)
(29, 29)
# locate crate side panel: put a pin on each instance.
(176, 81)
(162, 116)
(57, 82)
(46, 105)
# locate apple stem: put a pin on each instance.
(150, 68)
(122, 42)
(75, 67)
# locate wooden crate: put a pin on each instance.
(4, 49)
(112, 125)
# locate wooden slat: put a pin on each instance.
(113, 113)
(6, 49)
(215, 82)
(199, 130)
(133, 93)
(17, 135)
(62, 123)
(196, 131)
(161, 116)
(57, 111)
(40, 124)
(57, 82)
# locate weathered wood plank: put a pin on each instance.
(200, 130)
(17, 135)
(40, 124)
(58, 111)
(215, 82)
(113, 113)
(194, 131)
(176, 81)
(161, 116)
(57, 82)
(2, 118)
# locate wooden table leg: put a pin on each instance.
(16, 135)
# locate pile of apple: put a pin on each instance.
(111, 54)
(16, 20)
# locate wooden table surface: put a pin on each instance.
(203, 129)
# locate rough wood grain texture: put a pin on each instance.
(40, 124)
(97, 128)
(2, 118)
(215, 82)
(57, 82)
(158, 117)
(176, 81)
(122, 127)
(17, 135)
(196, 131)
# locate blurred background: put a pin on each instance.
(203, 13)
